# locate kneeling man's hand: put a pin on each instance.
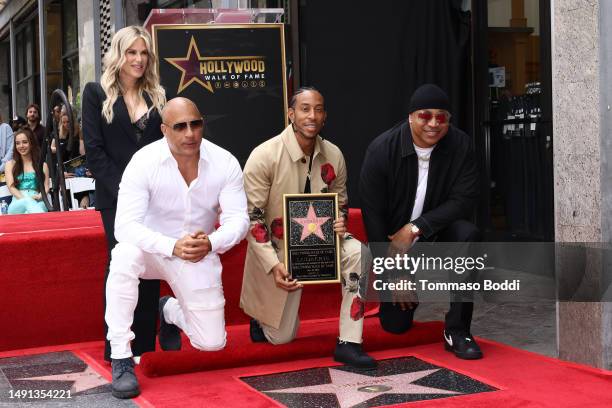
(193, 247)
(340, 227)
(282, 279)
(402, 240)
(405, 299)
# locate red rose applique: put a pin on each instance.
(327, 173)
(277, 228)
(260, 233)
(357, 308)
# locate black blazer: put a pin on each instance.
(388, 183)
(109, 147)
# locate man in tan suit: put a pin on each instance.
(296, 161)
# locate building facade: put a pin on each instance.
(59, 44)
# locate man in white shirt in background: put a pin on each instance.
(170, 197)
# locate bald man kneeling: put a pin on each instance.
(170, 197)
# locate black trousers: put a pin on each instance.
(145, 315)
(459, 316)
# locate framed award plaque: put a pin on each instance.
(312, 248)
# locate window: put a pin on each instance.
(5, 79)
(27, 67)
(53, 38)
(70, 50)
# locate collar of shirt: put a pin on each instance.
(166, 154)
(424, 153)
(293, 147)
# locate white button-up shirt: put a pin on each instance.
(156, 207)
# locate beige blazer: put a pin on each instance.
(276, 167)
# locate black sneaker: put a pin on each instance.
(169, 334)
(462, 345)
(256, 332)
(125, 383)
(351, 354)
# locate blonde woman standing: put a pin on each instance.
(121, 114)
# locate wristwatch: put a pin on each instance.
(415, 230)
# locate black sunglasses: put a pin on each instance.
(182, 126)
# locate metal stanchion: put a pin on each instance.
(56, 170)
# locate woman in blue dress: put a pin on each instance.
(29, 185)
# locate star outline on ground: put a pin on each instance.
(344, 385)
(82, 381)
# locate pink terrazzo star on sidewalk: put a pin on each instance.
(83, 381)
(353, 389)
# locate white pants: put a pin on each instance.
(198, 309)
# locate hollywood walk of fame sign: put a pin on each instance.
(235, 73)
(394, 381)
(312, 249)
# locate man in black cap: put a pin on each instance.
(419, 180)
(17, 123)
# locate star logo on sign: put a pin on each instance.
(352, 389)
(311, 224)
(190, 67)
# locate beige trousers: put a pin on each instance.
(351, 270)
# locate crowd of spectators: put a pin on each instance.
(42, 151)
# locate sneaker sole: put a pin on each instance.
(256, 334)
(258, 340)
(126, 394)
(463, 356)
(170, 342)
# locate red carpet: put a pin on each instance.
(51, 223)
(315, 339)
(52, 268)
(524, 380)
